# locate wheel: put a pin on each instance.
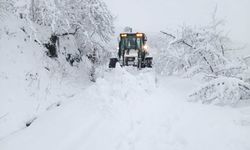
(112, 62)
(148, 62)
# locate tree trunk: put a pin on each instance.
(93, 68)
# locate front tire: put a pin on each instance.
(112, 62)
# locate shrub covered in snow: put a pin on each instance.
(201, 52)
(195, 51)
(222, 91)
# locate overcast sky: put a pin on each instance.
(155, 15)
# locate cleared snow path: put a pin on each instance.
(136, 111)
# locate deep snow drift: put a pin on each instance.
(127, 109)
(30, 82)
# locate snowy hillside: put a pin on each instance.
(30, 82)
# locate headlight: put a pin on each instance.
(123, 35)
(139, 35)
(145, 47)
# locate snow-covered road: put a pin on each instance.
(127, 110)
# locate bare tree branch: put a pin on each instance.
(172, 36)
(179, 41)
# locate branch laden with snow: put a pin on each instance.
(201, 52)
(222, 91)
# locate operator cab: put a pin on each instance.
(132, 41)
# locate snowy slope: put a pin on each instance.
(30, 82)
(136, 110)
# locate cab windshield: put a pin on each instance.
(131, 42)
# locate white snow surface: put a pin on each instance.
(135, 110)
(30, 82)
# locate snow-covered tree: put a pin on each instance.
(92, 25)
(85, 19)
(76, 30)
(92, 22)
(202, 51)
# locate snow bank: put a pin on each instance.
(30, 82)
(126, 110)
